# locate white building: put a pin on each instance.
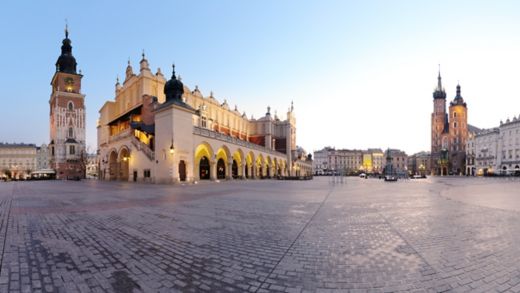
(42, 157)
(495, 151)
(509, 146)
(17, 160)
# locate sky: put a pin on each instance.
(361, 73)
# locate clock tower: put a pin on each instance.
(67, 117)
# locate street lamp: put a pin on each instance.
(172, 148)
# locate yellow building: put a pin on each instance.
(161, 131)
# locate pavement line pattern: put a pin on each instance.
(298, 236)
(435, 235)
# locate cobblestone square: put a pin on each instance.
(363, 235)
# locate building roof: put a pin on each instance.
(17, 145)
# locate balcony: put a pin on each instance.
(121, 135)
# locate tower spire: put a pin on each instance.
(66, 29)
(439, 83)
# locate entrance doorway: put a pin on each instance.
(204, 168)
(221, 169)
(182, 170)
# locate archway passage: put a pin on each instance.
(221, 169)
(182, 170)
(234, 169)
(204, 168)
(124, 156)
(247, 171)
(112, 166)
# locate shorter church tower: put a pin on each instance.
(458, 133)
(67, 117)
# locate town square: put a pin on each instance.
(260, 146)
(361, 235)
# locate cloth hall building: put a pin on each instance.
(161, 131)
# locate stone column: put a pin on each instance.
(229, 173)
(243, 170)
(213, 170)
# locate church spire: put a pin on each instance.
(439, 92)
(439, 83)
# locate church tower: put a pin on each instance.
(67, 117)
(439, 131)
(458, 133)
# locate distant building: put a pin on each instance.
(399, 161)
(92, 166)
(320, 163)
(509, 146)
(419, 163)
(449, 132)
(329, 160)
(17, 160)
(495, 151)
(42, 157)
(373, 161)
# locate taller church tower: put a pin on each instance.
(67, 117)
(440, 131)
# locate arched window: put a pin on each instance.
(70, 106)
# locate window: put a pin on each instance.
(146, 173)
(203, 122)
(71, 132)
(454, 114)
(72, 150)
(70, 106)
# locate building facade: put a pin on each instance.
(419, 163)
(42, 157)
(509, 146)
(161, 131)
(398, 160)
(17, 160)
(495, 151)
(328, 161)
(449, 132)
(67, 117)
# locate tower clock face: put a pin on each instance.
(69, 84)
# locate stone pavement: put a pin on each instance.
(434, 235)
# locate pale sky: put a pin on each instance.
(361, 73)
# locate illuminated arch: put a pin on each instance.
(237, 165)
(203, 150)
(260, 166)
